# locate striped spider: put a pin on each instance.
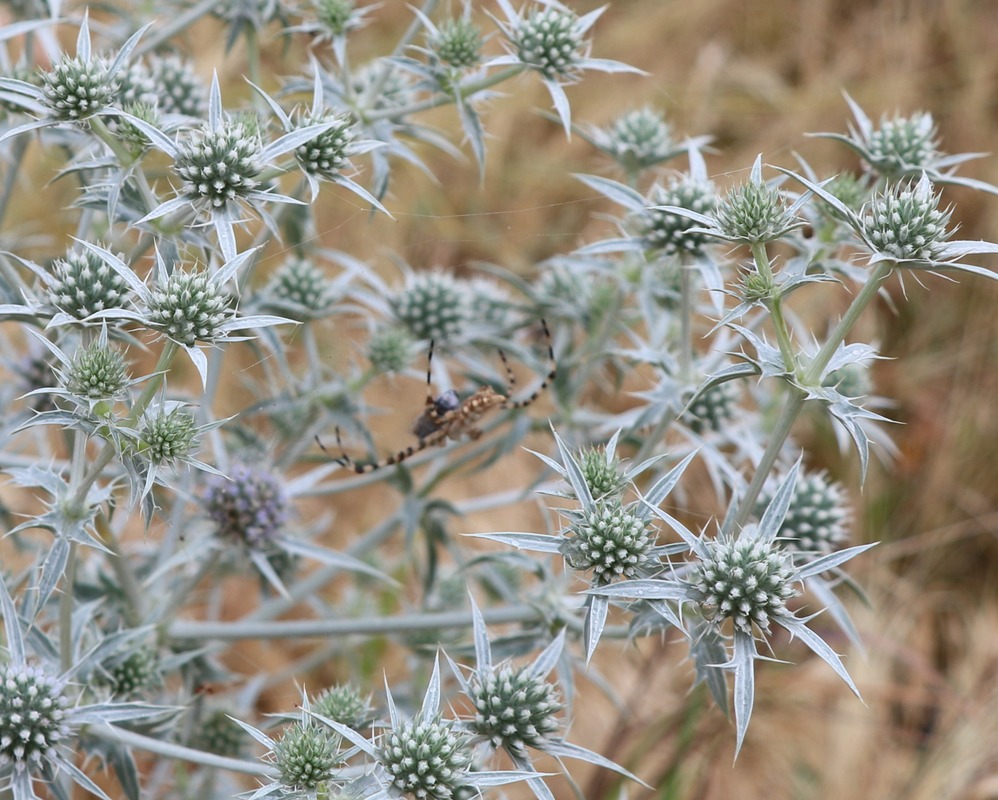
(448, 417)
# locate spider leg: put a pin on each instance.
(551, 375)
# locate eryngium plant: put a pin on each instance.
(167, 512)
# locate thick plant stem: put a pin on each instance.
(66, 602)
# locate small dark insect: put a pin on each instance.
(448, 417)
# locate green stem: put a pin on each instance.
(111, 733)
(13, 167)
(66, 612)
(685, 320)
(775, 307)
(838, 335)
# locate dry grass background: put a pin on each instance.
(756, 75)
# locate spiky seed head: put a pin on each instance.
(389, 349)
(754, 212)
(305, 756)
(343, 704)
(818, 518)
(218, 734)
(490, 306)
(549, 41)
(133, 138)
(138, 671)
(219, 165)
(713, 409)
(433, 305)
(303, 288)
(179, 89)
(425, 758)
(250, 506)
(326, 154)
(903, 144)
(137, 85)
(608, 540)
(514, 709)
(670, 233)
(602, 475)
(97, 372)
(190, 307)
(334, 15)
(559, 285)
(169, 435)
(32, 717)
(75, 89)
(458, 43)
(747, 581)
(757, 287)
(640, 139)
(905, 222)
(84, 284)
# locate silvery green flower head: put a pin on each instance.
(191, 307)
(736, 587)
(427, 756)
(40, 717)
(518, 708)
(665, 221)
(904, 226)
(333, 21)
(74, 89)
(904, 147)
(221, 166)
(754, 213)
(639, 139)
(553, 41)
(324, 154)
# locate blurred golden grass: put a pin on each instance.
(757, 75)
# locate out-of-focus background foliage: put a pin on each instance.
(756, 76)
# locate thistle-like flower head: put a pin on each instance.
(190, 307)
(344, 704)
(433, 305)
(179, 88)
(670, 233)
(84, 284)
(550, 40)
(754, 212)
(905, 222)
(76, 88)
(817, 518)
(713, 409)
(902, 145)
(514, 708)
(168, 434)
(327, 155)
(426, 758)
(97, 372)
(301, 289)
(32, 717)
(306, 756)
(389, 349)
(219, 164)
(249, 506)
(457, 43)
(610, 541)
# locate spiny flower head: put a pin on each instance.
(610, 541)
(754, 212)
(713, 409)
(218, 734)
(305, 756)
(458, 43)
(550, 41)
(220, 165)
(137, 671)
(670, 233)
(168, 435)
(425, 758)
(97, 372)
(816, 521)
(389, 349)
(250, 506)
(851, 380)
(326, 154)
(76, 88)
(134, 139)
(433, 305)
(640, 139)
(490, 306)
(189, 307)
(32, 714)
(602, 475)
(514, 708)
(179, 89)
(137, 85)
(335, 15)
(745, 580)
(84, 284)
(905, 222)
(303, 288)
(343, 704)
(902, 144)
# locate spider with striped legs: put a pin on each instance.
(448, 417)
